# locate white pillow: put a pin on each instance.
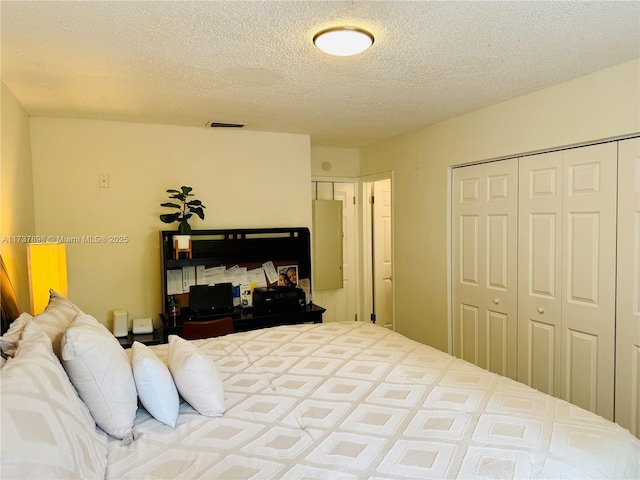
(10, 340)
(47, 432)
(56, 318)
(196, 377)
(154, 383)
(54, 321)
(101, 373)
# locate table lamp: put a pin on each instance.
(47, 264)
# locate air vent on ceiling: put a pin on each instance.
(224, 125)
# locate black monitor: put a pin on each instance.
(207, 300)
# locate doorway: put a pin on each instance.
(341, 304)
(378, 251)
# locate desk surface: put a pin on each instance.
(248, 319)
(154, 338)
(242, 321)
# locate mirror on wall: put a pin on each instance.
(327, 245)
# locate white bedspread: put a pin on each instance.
(353, 400)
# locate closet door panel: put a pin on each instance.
(469, 250)
(469, 333)
(582, 259)
(497, 338)
(628, 288)
(497, 318)
(470, 288)
(467, 288)
(589, 266)
(539, 272)
(542, 341)
(497, 252)
(542, 254)
(501, 272)
(484, 246)
(581, 366)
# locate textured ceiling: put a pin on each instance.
(253, 62)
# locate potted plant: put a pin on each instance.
(186, 209)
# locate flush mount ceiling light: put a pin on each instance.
(343, 41)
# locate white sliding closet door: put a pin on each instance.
(567, 275)
(484, 251)
(628, 297)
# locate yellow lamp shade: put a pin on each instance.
(47, 269)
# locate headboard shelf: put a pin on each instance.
(245, 247)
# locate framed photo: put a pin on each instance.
(288, 276)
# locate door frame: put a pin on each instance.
(367, 252)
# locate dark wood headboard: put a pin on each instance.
(9, 309)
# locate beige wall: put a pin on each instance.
(602, 105)
(16, 193)
(344, 162)
(245, 179)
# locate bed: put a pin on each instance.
(345, 400)
(354, 400)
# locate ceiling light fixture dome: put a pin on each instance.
(343, 41)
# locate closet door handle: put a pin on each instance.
(540, 310)
(496, 301)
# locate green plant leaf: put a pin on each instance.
(184, 227)
(170, 217)
(186, 208)
(198, 211)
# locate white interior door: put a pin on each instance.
(484, 236)
(377, 242)
(627, 411)
(341, 304)
(347, 297)
(382, 254)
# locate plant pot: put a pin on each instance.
(181, 241)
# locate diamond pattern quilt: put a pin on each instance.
(354, 400)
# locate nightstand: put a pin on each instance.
(154, 338)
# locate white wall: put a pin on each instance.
(602, 105)
(16, 193)
(244, 178)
